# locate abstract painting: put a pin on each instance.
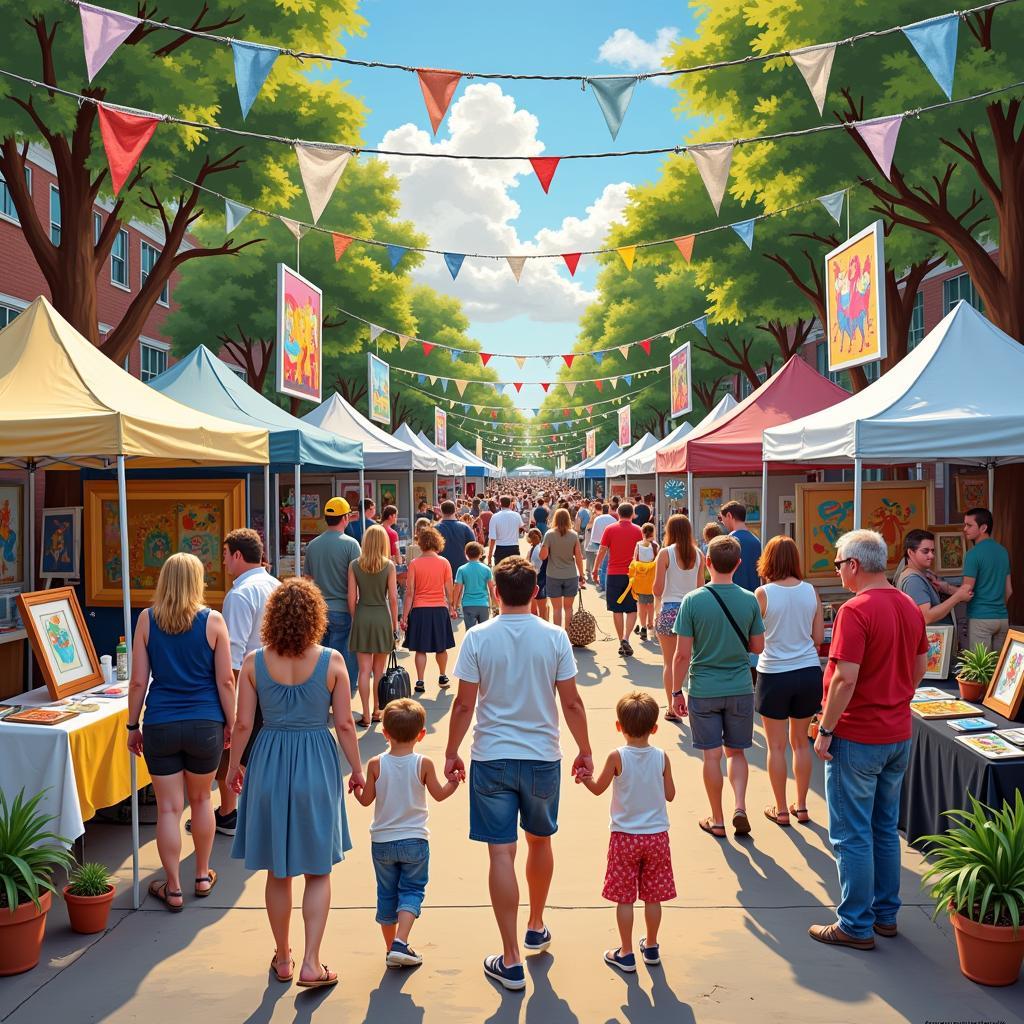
(950, 550)
(941, 640)
(59, 638)
(299, 335)
(679, 381)
(379, 389)
(971, 491)
(12, 543)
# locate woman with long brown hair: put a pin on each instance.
(679, 569)
(561, 552)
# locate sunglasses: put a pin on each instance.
(842, 562)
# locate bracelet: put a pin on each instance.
(677, 693)
(132, 728)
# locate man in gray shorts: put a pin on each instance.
(718, 626)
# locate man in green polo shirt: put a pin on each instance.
(987, 570)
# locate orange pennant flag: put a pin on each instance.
(600, 385)
(341, 243)
(685, 246)
(125, 136)
(438, 88)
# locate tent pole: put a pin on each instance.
(266, 511)
(657, 503)
(991, 485)
(276, 518)
(437, 486)
(764, 501)
(297, 526)
(30, 573)
(412, 507)
(362, 490)
(858, 492)
(248, 500)
(689, 498)
(126, 599)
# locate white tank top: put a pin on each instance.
(679, 582)
(638, 794)
(645, 554)
(400, 806)
(787, 629)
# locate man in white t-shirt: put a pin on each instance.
(503, 532)
(601, 523)
(510, 671)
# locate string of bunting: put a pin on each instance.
(933, 39)
(518, 385)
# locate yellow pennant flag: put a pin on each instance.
(402, 342)
(628, 254)
(624, 351)
(520, 361)
(614, 381)
(461, 385)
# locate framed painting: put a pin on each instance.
(950, 550)
(12, 541)
(1006, 691)
(388, 492)
(299, 334)
(679, 381)
(971, 491)
(311, 505)
(440, 428)
(60, 556)
(787, 509)
(379, 389)
(711, 499)
(164, 516)
(625, 428)
(60, 641)
(618, 490)
(423, 490)
(855, 299)
(941, 641)
(824, 512)
(750, 497)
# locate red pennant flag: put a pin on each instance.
(545, 386)
(544, 168)
(590, 409)
(518, 385)
(553, 437)
(568, 360)
(572, 260)
(600, 385)
(646, 345)
(494, 414)
(341, 243)
(427, 348)
(125, 136)
(485, 358)
(438, 88)
(685, 246)
(565, 412)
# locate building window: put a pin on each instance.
(97, 227)
(821, 358)
(916, 332)
(153, 361)
(149, 257)
(960, 287)
(119, 259)
(55, 215)
(238, 371)
(6, 202)
(7, 314)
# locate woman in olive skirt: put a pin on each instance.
(428, 621)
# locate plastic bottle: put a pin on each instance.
(122, 661)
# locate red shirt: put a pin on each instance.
(393, 538)
(620, 539)
(483, 521)
(883, 632)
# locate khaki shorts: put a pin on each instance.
(990, 632)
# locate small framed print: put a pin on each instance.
(941, 640)
(60, 555)
(787, 509)
(1006, 690)
(950, 550)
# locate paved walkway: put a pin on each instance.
(734, 943)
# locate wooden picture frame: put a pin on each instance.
(60, 641)
(60, 549)
(164, 516)
(971, 491)
(941, 640)
(387, 491)
(950, 550)
(1006, 690)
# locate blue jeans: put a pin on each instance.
(401, 867)
(502, 790)
(474, 614)
(603, 574)
(339, 625)
(862, 788)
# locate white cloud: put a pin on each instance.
(625, 47)
(468, 206)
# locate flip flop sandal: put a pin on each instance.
(211, 878)
(774, 814)
(671, 716)
(800, 813)
(284, 979)
(741, 823)
(159, 891)
(707, 825)
(363, 723)
(327, 979)
(377, 718)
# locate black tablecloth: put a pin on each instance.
(942, 772)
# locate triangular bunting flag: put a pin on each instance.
(646, 345)
(598, 357)
(427, 347)
(627, 253)
(544, 167)
(515, 264)
(545, 387)
(454, 261)
(375, 332)
(547, 360)
(590, 409)
(252, 65)
(102, 33)
(685, 246)
(613, 96)
(124, 138)
(341, 243)
(570, 386)
(297, 229)
(569, 360)
(745, 229)
(234, 214)
(478, 409)
(833, 202)
(454, 354)
(713, 161)
(518, 385)
(438, 88)
(935, 41)
(403, 340)
(628, 378)
(624, 351)
(444, 384)
(520, 361)
(565, 412)
(572, 260)
(614, 381)
(599, 384)
(432, 379)
(485, 358)
(395, 254)
(320, 170)
(880, 138)
(421, 378)
(815, 64)
(701, 323)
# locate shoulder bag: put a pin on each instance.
(744, 640)
(394, 683)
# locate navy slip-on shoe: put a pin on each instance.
(651, 954)
(537, 941)
(626, 963)
(512, 978)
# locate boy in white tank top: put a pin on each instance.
(399, 782)
(639, 859)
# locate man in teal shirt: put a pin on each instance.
(987, 570)
(719, 625)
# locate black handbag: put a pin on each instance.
(394, 684)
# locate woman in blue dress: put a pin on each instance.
(291, 816)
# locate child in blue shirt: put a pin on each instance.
(474, 587)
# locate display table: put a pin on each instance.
(82, 763)
(942, 772)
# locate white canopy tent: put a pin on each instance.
(470, 459)
(447, 464)
(619, 466)
(529, 469)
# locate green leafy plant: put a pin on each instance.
(978, 866)
(28, 852)
(90, 879)
(977, 665)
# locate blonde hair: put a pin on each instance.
(562, 522)
(376, 550)
(179, 593)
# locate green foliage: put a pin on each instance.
(29, 853)
(977, 665)
(90, 879)
(978, 867)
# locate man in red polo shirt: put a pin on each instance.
(877, 658)
(618, 543)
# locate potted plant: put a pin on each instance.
(89, 894)
(974, 670)
(978, 876)
(28, 856)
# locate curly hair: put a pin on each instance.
(430, 539)
(295, 617)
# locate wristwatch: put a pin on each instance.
(677, 693)
(822, 731)
(132, 728)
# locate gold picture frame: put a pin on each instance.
(971, 491)
(950, 550)
(1005, 692)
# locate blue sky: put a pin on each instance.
(462, 215)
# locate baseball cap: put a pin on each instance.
(337, 507)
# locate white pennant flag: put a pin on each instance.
(403, 340)
(320, 170)
(515, 264)
(570, 386)
(433, 380)
(297, 229)
(713, 162)
(815, 64)
(375, 332)
(614, 381)
(624, 351)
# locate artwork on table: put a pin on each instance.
(423, 490)
(60, 556)
(625, 428)
(941, 641)
(379, 389)
(164, 516)
(991, 746)
(440, 428)
(1006, 691)
(787, 508)
(679, 381)
(388, 490)
(299, 335)
(61, 643)
(824, 512)
(855, 297)
(750, 498)
(711, 499)
(950, 550)
(12, 543)
(929, 693)
(943, 709)
(971, 491)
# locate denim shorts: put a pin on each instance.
(401, 867)
(474, 614)
(722, 722)
(501, 791)
(192, 746)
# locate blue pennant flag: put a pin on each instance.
(935, 41)
(613, 96)
(454, 261)
(598, 357)
(494, 425)
(421, 378)
(395, 254)
(465, 407)
(628, 378)
(455, 353)
(252, 65)
(745, 229)
(444, 384)
(833, 202)
(701, 323)
(234, 214)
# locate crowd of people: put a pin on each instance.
(245, 697)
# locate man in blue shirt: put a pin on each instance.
(456, 536)
(987, 570)
(733, 517)
(359, 526)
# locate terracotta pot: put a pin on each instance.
(21, 936)
(989, 954)
(88, 914)
(971, 691)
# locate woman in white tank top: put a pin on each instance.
(788, 692)
(680, 570)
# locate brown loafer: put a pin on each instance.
(833, 935)
(887, 931)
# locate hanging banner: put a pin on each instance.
(440, 428)
(591, 443)
(299, 330)
(378, 387)
(855, 296)
(479, 447)
(679, 381)
(501, 461)
(625, 428)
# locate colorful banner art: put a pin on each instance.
(379, 389)
(299, 333)
(679, 381)
(625, 428)
(479, 447)
(440, 428)
(855, 294)
(591, 443)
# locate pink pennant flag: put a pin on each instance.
(590, 409)
(125, 136)
(438, 88)
(880, 138)
(572, 260)
(570, 386)
(516, 264)
(102, 33)
(341, 243)
(624, 351)
(544, 167)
